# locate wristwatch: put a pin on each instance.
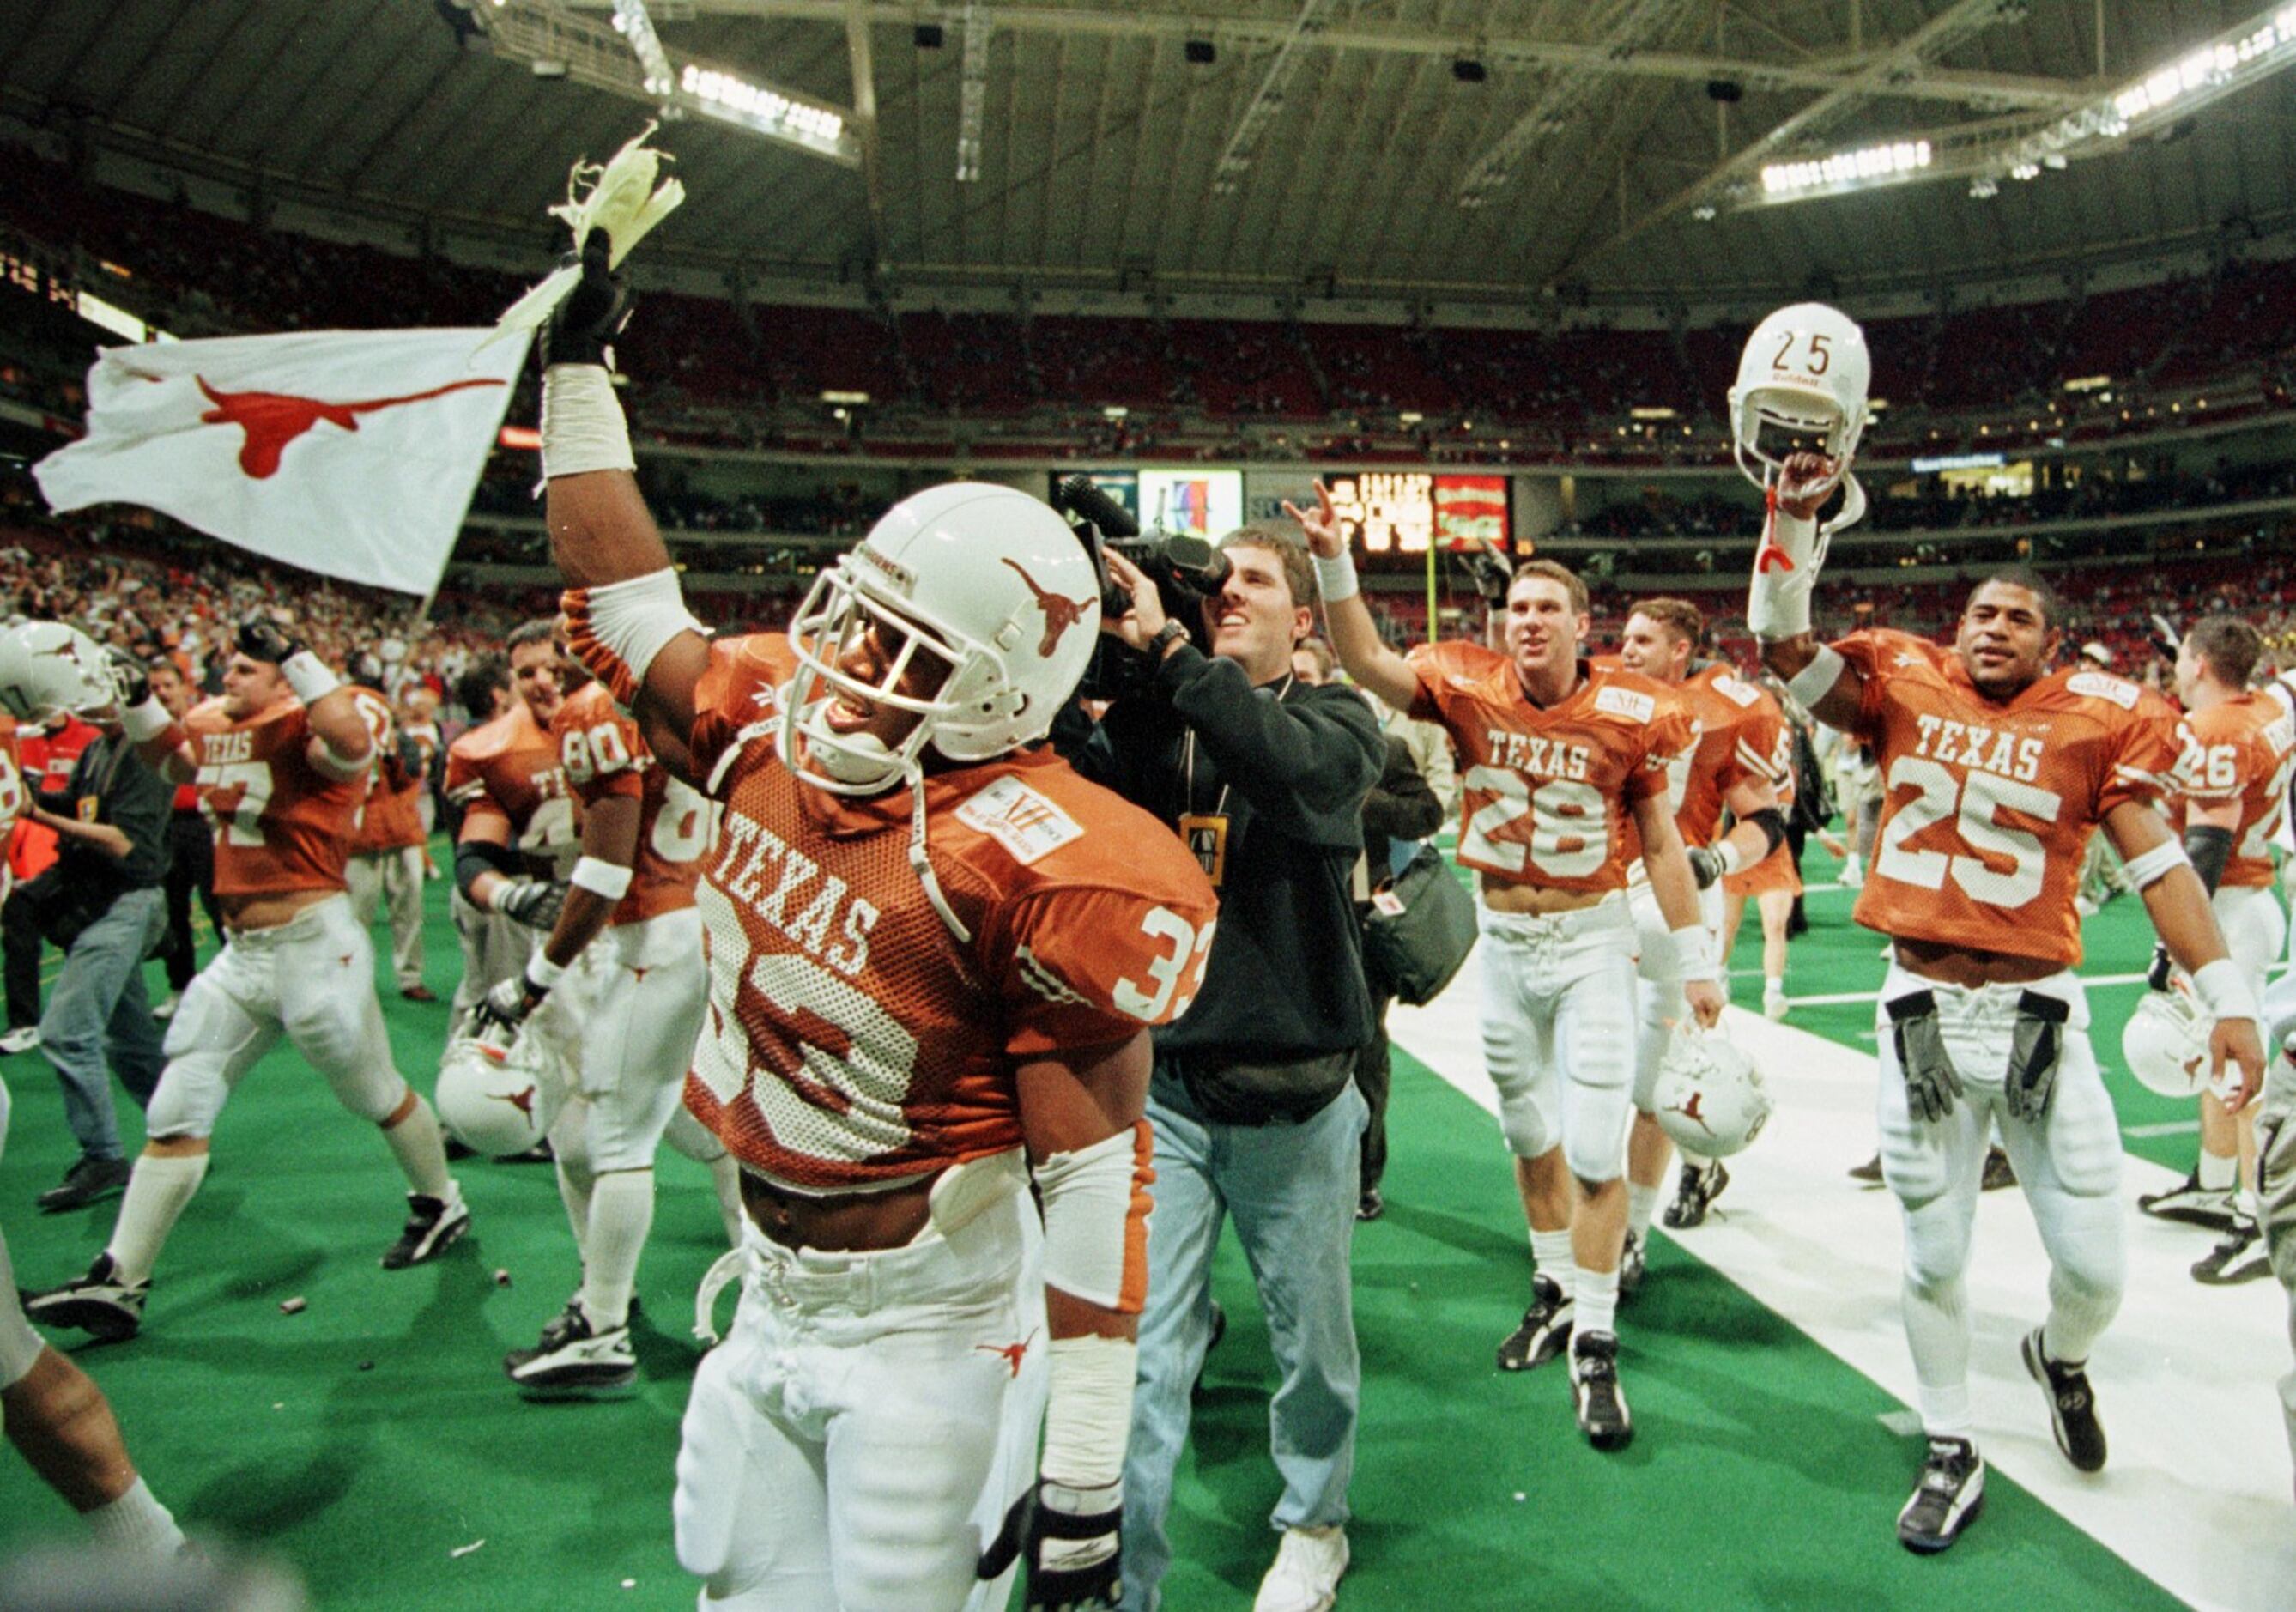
(1168, 635)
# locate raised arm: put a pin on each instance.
(1355, 637)
(627, 615)
(1777, 605)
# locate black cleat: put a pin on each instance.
(1998, 1171)
(1371, 1206)
(1545, 1328)
(1603, 1414)
(98, 1303)
(433, 1226)
(2189, 1203)
(1633, 1266)
(2072, 1406)
(574, 1357)
(2238, 1257)
(1946, 1500)
(1702, 1184)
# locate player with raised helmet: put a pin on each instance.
(1736, 764)
(935, 954)
(1565, 770)
(1995, 771)
(281, 762)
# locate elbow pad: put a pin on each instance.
(1772, 822)
(475, 856)
(2209, 850)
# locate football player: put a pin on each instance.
(629, 921)
(1738, 763)
(934, 956)
(1564, 766)
(62, 1424)
(517, 842)
(281, 762)
(384, 869)
(2240, 754)
(1995, 771)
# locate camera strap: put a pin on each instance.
(1205, 833)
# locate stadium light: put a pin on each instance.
(632, 21)
(1847, 169)
(774, 113)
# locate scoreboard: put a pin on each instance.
(1404, 513)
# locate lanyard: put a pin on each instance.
(1188, 765)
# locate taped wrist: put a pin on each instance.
(145, 722)
(618, 628)
(1816, 680)
(1777, 603)
(1335, 578)
(309, 677)
(1694, 949)
(2209, 848)
(1096, 1208)
(475, 856)
(1088, 1411)
(2148, 868)
(542, 975)
(601, 878)
(583, 428)
(2035, 1046)
(2224, 990)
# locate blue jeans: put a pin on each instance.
(1292, 1190)
(99, 1023)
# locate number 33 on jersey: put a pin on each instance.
(1986, 809)
(851, 1039)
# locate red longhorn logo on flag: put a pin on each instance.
(272, 420)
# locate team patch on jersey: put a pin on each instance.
(1017, 817)
(2104, 685)
(1735, 691)
(1625, 702)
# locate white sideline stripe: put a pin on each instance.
(2166, 1128)
(2197, 1495)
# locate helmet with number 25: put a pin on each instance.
(48, 669)
(983, 581)
(1803, 378)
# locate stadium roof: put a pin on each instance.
(1403, 150)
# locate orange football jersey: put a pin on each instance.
(1986, 807)
(1545, 794)
(388, 816)
(507, 772)
(1741, 737)
(280, 823)
(2242, 750)
(604, 754)
(12, 800)
(851, 1040)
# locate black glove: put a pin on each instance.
(511, 1000)
(2034, 1048)
(1089, 1578)
(1705, 865)
(131, 683)
(261, 638)
(534, 902)
(1931, 1082)
(583, 327)
(2156, 972)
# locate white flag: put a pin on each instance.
(349, 453)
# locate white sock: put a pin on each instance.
(1642, 1202)
(157, 1188)
(421, 1153)
(574, 1185)
(1774, 985)
(1597, 1296)
(726, 1175)
(2218, 1174)
(138, 1522)
(621, 1213)
(1936, 1330)
(1550, 1254)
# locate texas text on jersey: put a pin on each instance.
(280, 823)
(2242, 750)
(509, 769)
(1987, 808)
(851, 1040)
(1545, 794)
(603, 754)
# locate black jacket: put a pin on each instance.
(1284, 979)
(1399, 807)
(110, 785)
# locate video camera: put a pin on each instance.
(1185, 569)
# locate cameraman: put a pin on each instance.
(103, 906)
(1252, 1102)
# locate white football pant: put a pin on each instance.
(856, 1443)
(311, 979)
(624, 1019)
(1558, 997)
(494, 948)
(20, 1345)
(2067, 1162)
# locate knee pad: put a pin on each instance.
(346, 1043)
(1595, 1130)
(189, 1097)
(1938, 1235)
(1529, 1116)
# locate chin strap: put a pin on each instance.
(922, 864)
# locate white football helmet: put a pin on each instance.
(2166, 1043)
(496, 1093)
(48, 669)
(1709, 1096)
(984, 579)
(1806, 374)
